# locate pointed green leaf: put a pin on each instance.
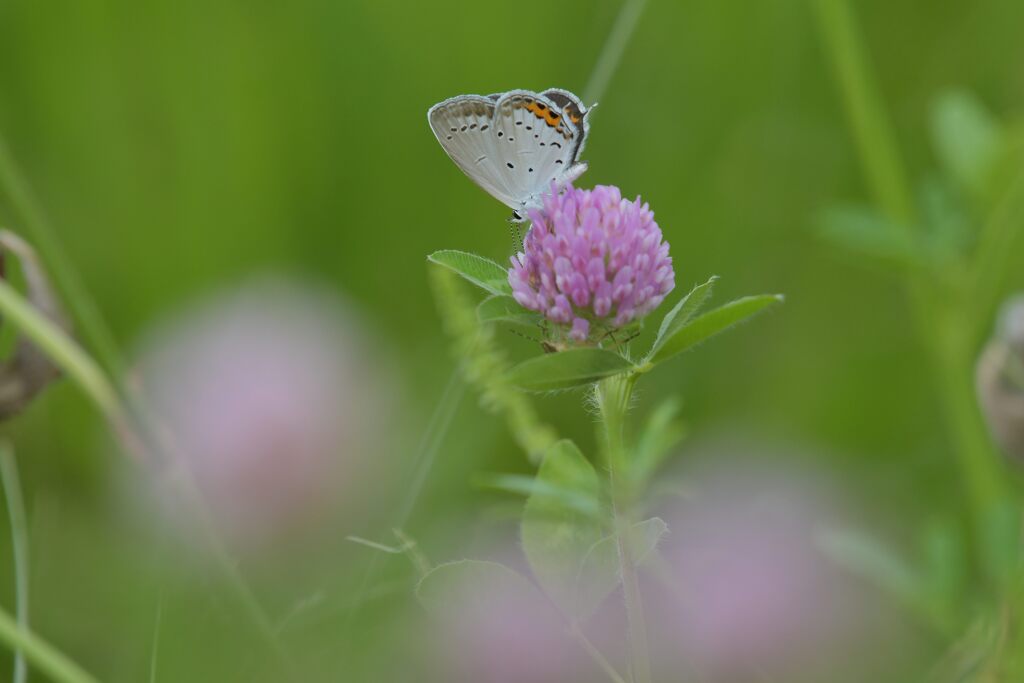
(506, 309)
(567, 369)
(599, 573)
(481, 271)
(556, 537)
(446, 589)
(967, 139)
(660, 435)
(682, 312)
(523, 485)
(713, 322)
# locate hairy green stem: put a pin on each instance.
(612, 397)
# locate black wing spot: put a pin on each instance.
(557, 144)
(472, 126)
(485, 126)
(541, 144)
(509, 164)
(558, 161)
(449, 137)
(529, 128)
(464, 128)
(500, 134)
(530, 170)
(455, 130)
(519, 123)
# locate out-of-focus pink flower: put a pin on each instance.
(592, 257)
(752, 595)
(496, 626)
(268, 401)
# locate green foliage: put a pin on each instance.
(482, 272)
(485, 366)
(567, 369)
(661, 433)
(967, 140)
(711, 323)
(506, 309)
(599, 573)
(682, 312)
(556, 537)
(445, 589)
(533, 487)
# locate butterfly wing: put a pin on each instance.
(464, 126)
(573, 109)
(536, 144)
(514, 144)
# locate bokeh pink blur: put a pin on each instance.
(272, 402)
(744, 591)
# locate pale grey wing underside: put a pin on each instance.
(536, 143)
(464, 126)
(515, 144)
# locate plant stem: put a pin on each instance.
(613, 397)
(19, 542)
(78, 365)
(940, 324)
(613, 49)
(39, 232)
(44, 656)
(62, 350)
(595, 654)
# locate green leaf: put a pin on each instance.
(864, 230)
(713, 322)
(567, 369)
(506, 309)
(446, 589)
(967, 139)
(556, 537)
(482, 272)
(660, 435)
(524, 485)
(599, 573)
(681, 313)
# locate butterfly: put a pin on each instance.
(515, 144)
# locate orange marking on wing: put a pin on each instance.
(541, 111)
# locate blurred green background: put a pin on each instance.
(179, 147)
